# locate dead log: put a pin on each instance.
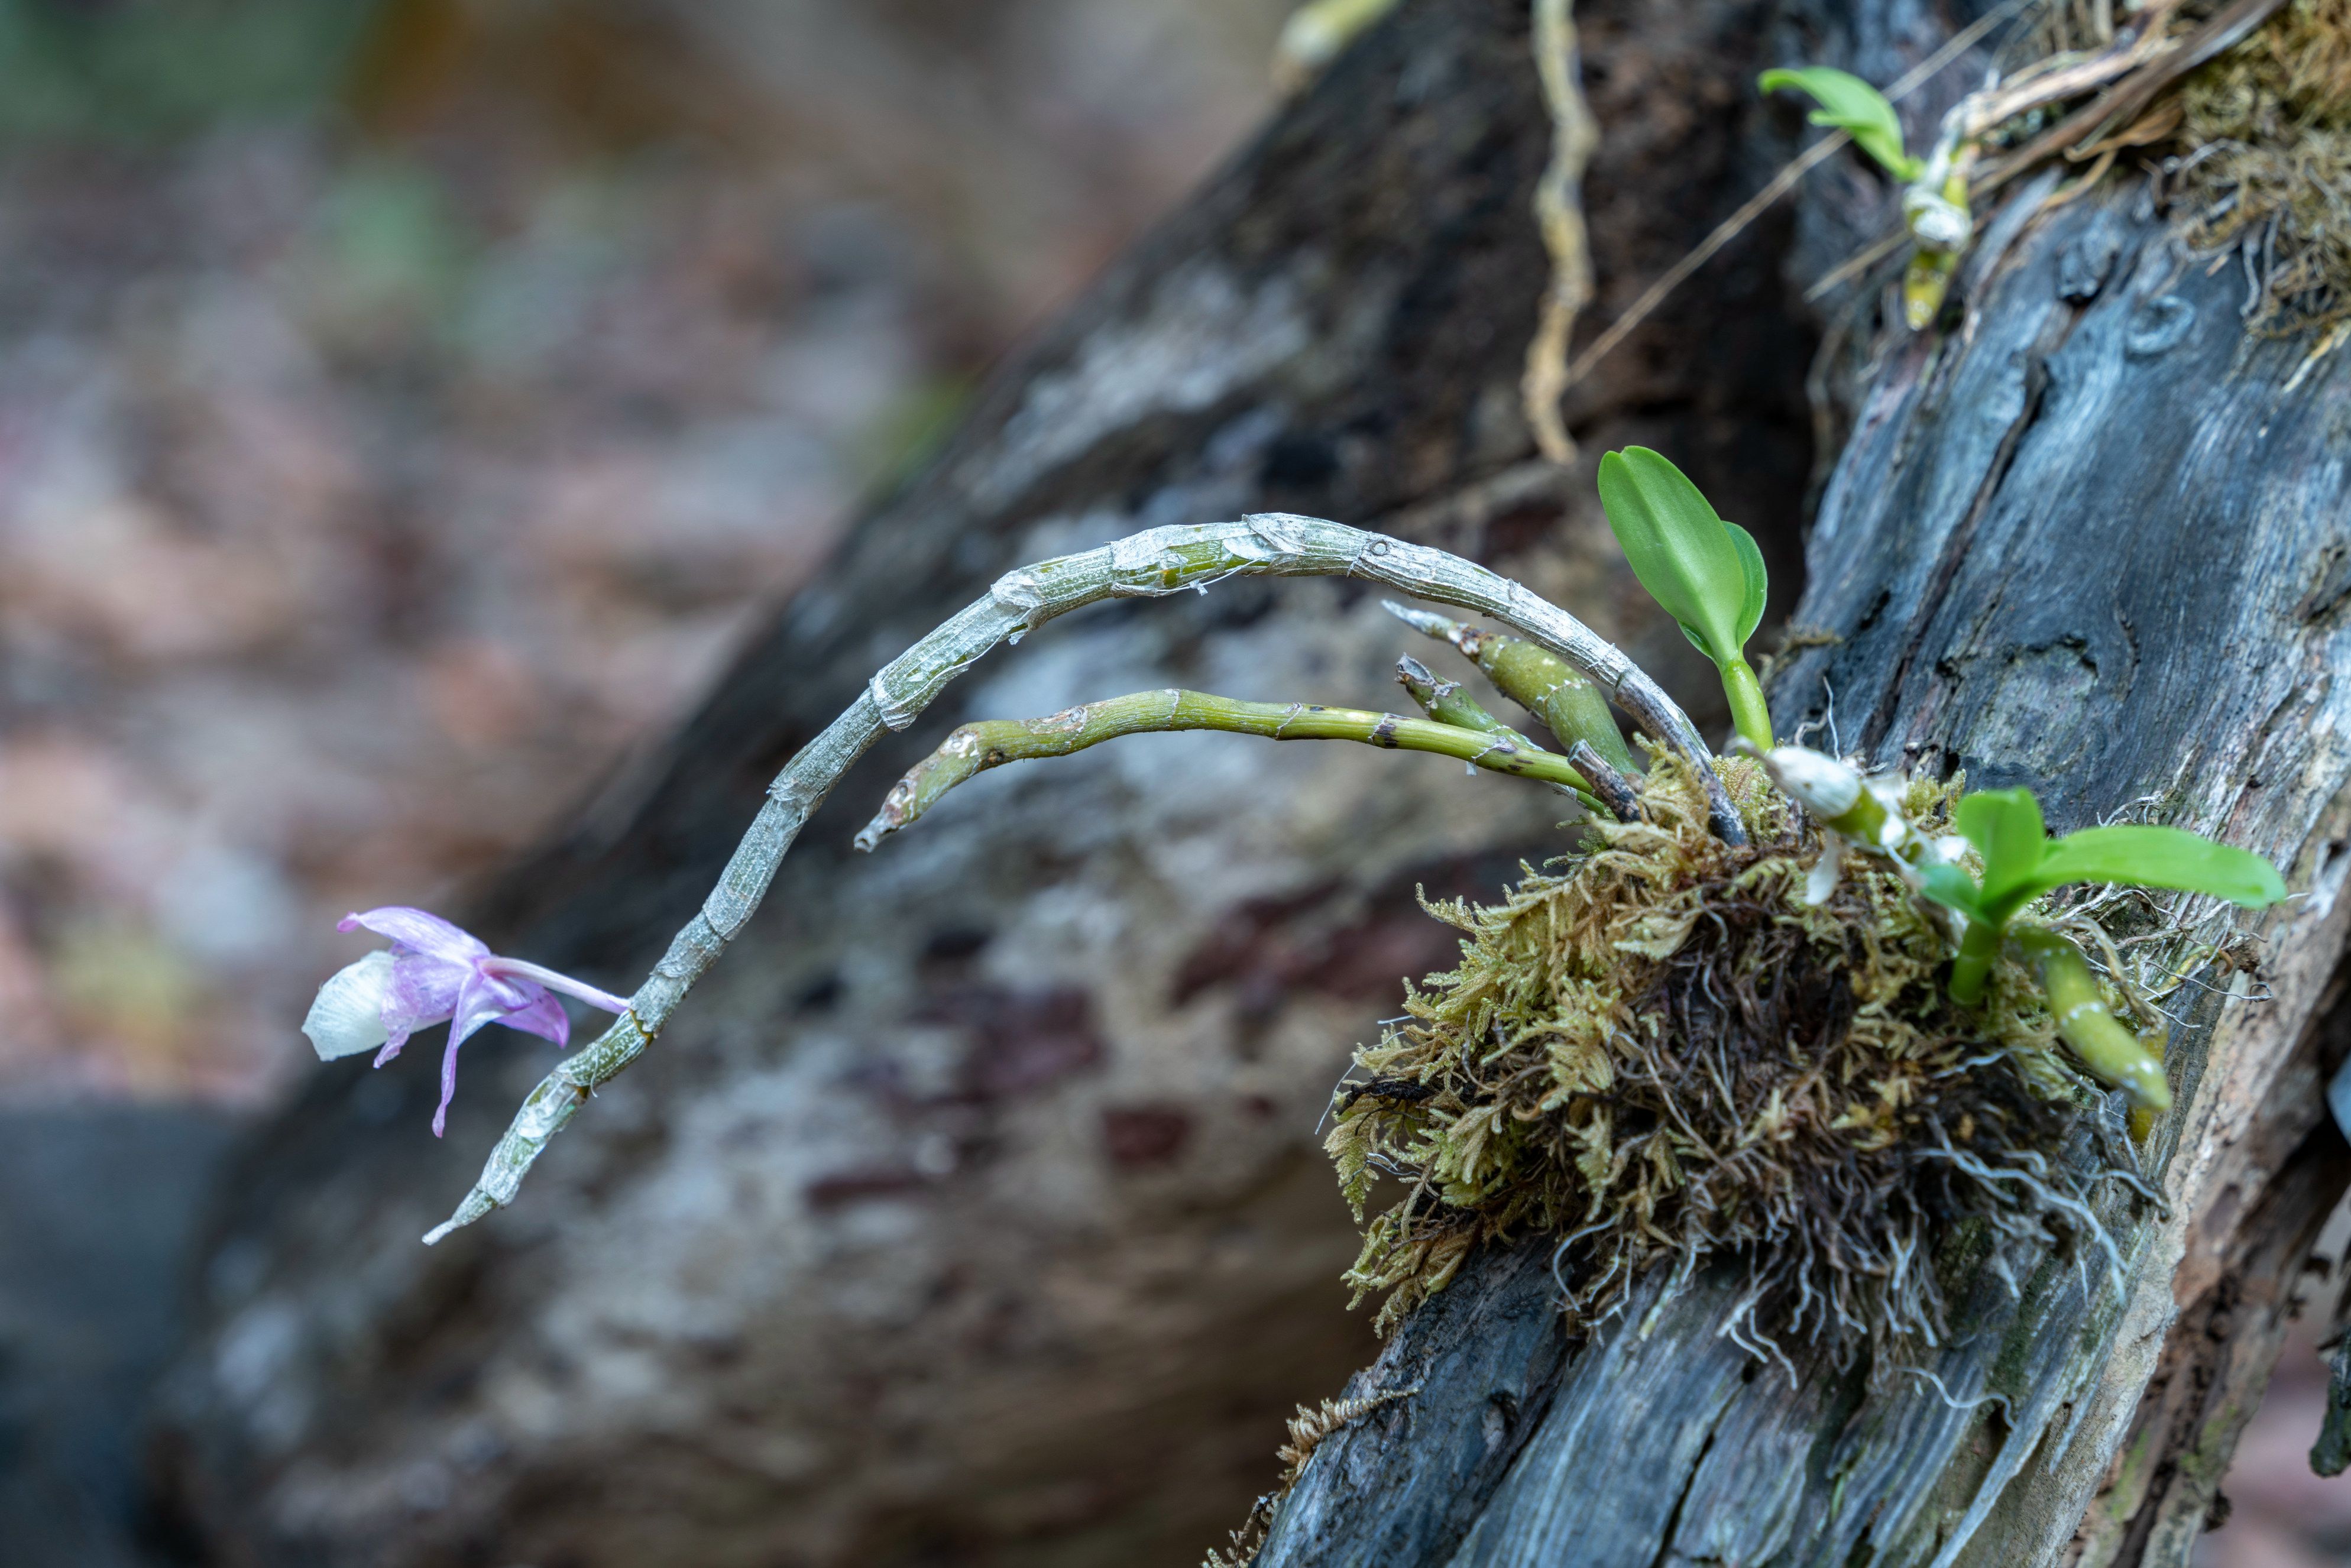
(2090, 538)
(971, 1210)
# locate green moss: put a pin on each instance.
(1656, 1051)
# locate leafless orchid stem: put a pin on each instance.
(974, 748)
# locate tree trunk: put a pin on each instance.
(2092, 540)
(972, 1210)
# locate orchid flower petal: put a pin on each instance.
(521, 969)
(424, 990)
(347, 1017)
(436, 972)
(544, 1018)
(1821, 885)
(480, 1001)
(426, 933)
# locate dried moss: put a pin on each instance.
(1307, 1430)
(2267, 134)
(1655, 1052)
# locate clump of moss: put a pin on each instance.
(2267, 130)
(1658, 1051)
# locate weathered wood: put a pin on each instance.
(2217, 1359)
(748, 1312)
(971, 1209)
(1472, 1377)
(2073, 543)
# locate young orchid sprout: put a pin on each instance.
(2021, 863)
(1935, 195)
(1706, 574)
(433, 973)
(1851, 105)
(1936, 188)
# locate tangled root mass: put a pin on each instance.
(1658, 1051)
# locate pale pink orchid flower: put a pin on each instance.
(434, 973)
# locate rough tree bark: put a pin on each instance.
(2093, 540)
(970, 1211)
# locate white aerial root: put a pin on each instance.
(1157, 562)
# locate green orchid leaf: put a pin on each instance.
(1759, 582)
(2159, 857)
(1950, 886)
(1849, 104)
(1684, 555)
(2005, 827)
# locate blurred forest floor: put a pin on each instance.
(403, 406)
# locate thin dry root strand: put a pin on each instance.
(1559, 215)
(2266, 134)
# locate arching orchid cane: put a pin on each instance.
(433, 973)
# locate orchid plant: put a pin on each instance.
(2021, 863)
(1705, 572)
(2003, 826)
(1937, 187)
(1935, 195)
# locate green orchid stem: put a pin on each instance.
(1447, 703)
(1978, 948)
(1546, 686)
(2111, 1052)
(1747, 709)
(976, 747)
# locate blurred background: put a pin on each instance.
(405, 404)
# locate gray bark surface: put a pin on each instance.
(970, 1211)
(2091, 540)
